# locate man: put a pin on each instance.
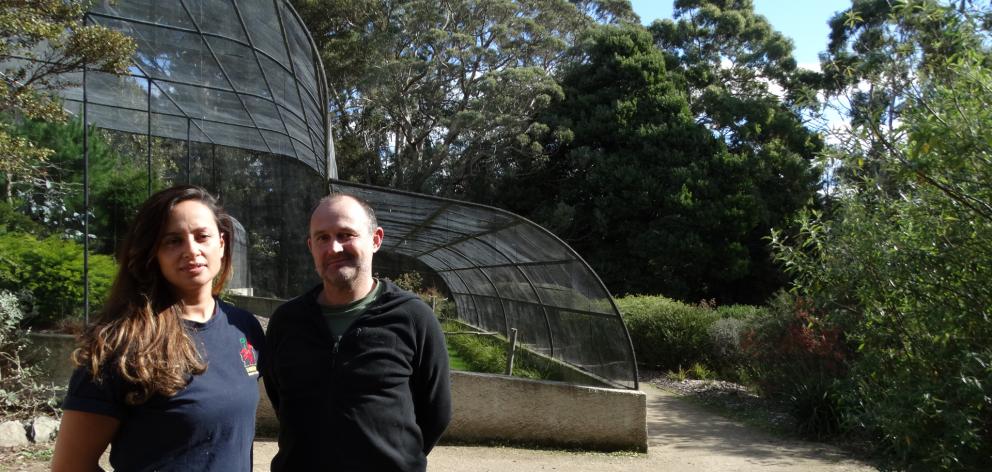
(358, 370)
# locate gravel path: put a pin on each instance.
(681, 436)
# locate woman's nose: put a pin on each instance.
(190, 246)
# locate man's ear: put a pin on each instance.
(377, 239)
(309, 246)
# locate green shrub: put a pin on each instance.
(701, 372)
(741, 312)
(487, 354)
(12, 220)
(51, 270)
(666, 333)
(726, 354)
(792, 354)
(410, 281)
(22, 393)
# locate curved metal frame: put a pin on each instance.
(337, 185)
(322, 163)
(518, 277)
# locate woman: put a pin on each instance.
(168, 375)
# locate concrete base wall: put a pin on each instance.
(499, 408)
(513, 410)
(260, 306)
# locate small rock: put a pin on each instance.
(12, 434)
(43, 429)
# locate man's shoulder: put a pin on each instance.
(398, 300)
(393, 295)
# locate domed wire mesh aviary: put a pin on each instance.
(236, 92)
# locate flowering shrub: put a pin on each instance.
(794, 355)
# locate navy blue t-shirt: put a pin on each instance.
(208, 426)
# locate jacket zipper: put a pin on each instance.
(337, 344)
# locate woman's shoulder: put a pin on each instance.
(239, 316)
(233, 311)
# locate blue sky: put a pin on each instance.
(804, 21)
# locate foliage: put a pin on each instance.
(743, 85)
(726, 352)
(410, 281)
(12, 220)
(430, 95)
(117, 183)
(902, 264)
(22, 393)
(624, 152)
(666, 334)
(670, 335)
(487, 354)
(740, 312)
(793, 354)
(41, 41)
(695, 372)
(50, 269)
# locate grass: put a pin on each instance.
(43, 454)
(487, 354)
(456, 362)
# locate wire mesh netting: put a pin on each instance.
(236, 104)
(242, 74)
(505, 272)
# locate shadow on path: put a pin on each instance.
(681, 436)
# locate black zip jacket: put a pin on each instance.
(378, 400)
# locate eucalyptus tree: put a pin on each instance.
(39, 42)
(428, 96)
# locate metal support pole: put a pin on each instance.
(86, 208)
(510, 348)
(189, 153)
(148, 137)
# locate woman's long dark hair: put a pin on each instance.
(140, 335)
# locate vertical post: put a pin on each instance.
(148, 137)
(86, 204)
(510, 348)
(189, 159)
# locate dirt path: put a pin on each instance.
(681, 436)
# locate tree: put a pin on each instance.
(903, 263)
(427, 95)
(648, 197)
(743, 84)
(43, 40)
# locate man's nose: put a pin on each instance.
(336, 246)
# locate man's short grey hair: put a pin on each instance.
(369, 212)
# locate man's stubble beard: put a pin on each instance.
(345, 276)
